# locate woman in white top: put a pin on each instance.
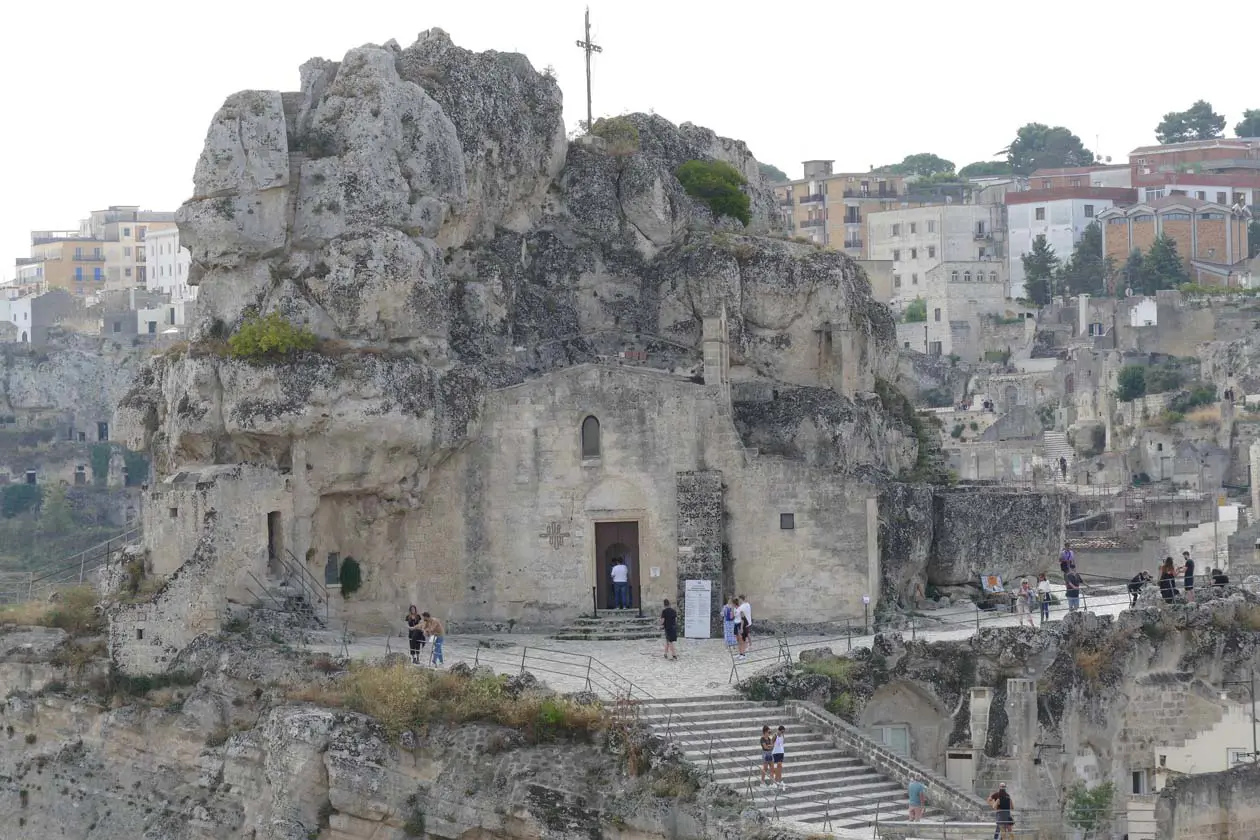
(1023, 602)
(1043, 595)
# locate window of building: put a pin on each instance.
(1154, 195)
(1212, 217)
(1076, 182)
(1222, 198)
(1089, 211)
(906, 344)
(931, 226)
(896, 230)
(993, 278)
(1176, 217)
(173, 513)
(127, 232)
(953, 277)
(931, 252)
(1117, 220)
(78, 274)
(1159, 447)
(1139, 783)
(1201, 195)
(896, 254)
(787, 521)
(1045, 183)
(981, 253)
(966, 279)
(936, 314)
(914, 253)
(1040, 214)
(934, 348)
(141, 230)
(896, 281)
(153, 328)
(98, 275)
(127, 251)
(914, 279)
(118, 326)
(914, 227)
(127, 271)
(979, 228)
(30, 476)
(590, 438)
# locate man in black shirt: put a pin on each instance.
(669, 623)
(1188, 562)
(1001, 802)
(1135, 586)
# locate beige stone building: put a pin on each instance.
(831, 208)
(124, 229)
(64, 259)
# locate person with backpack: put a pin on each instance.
(1067, 559)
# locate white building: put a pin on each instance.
(17, 311)
(166, 265)
(1061, 215)
(917, 239)
(960, 298)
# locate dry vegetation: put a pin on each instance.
(1206, 416)
(74, 611)
(403, 697)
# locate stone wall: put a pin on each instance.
(700, 532)
(1210, 806)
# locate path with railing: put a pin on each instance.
(71, 570)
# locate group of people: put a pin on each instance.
(423, 628)
(1169, 571)
(737, 624)
(999, 801)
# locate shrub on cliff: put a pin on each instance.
(351, 577)
(620, 136)
(269, 337)
(717, 184)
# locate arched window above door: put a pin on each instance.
(590, 438)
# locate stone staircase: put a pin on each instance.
(1055, 446)
(611, 626)
(820, 779)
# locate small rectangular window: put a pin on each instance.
(1089, 211)
(896, 281)
(1221, 198)
(931, 252)
(1041, 214)
(787, 521)
(914, 279)
(174, 512)
(914, 228)
(139, 634)
(896, 254)
(914, 253)
(936, 314)
(931, 226)
(896, 230)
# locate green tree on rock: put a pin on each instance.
(1133, 275)
(916, 311)
(1198, 122)
(1162, 267)
(772, 174)
(54, 513)
(1250, 125)
(1090, 809)
(924, 164)
(717, 184)
(1039, 270)
(1131, 383)
(1086, 271)
(985, 169)
(1039, 146)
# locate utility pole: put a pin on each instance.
(588, 47)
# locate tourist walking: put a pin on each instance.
(669, 623)
(776, 755)
(917, 792)
(1001, 802)
(1023, 603)
(1187, 563)
(1067, 559)
(739, 629)
(1168, 580)
(1135, 586)
(728, 623)
(745, 615)
(1063, 467)
(1073, 582)
(1043, 596)
(436, 632)
(415, 633)
(621, 584)
(767, 755)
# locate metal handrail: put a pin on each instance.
(77, 565)
(307, 581)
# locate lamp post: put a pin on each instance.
(1250, 682)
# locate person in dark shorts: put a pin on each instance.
(767, 755)
(1188, 564)
(415, 633)
(669, 623)
(1001, 802)
(776, 755)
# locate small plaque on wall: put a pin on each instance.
(655, 571)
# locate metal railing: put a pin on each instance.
(314, 590)
(70, 571)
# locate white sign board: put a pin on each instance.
(655, 571)
(699, 595)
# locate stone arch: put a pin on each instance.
(1010, 397)
(24, 338)
(590, 437)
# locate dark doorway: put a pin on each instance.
(613, 540)
(102, 431)
(274, 545)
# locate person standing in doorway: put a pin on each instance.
(669, 623)
(1023, 602)
(777, 755)
(745, 615)
(1043, 596)
(1187, 563)
(918, 798)
(728, 623)
(1067, 559)
(621, 584)
(767, 755)
(1001, 802)
(415, 633)
(434, 630)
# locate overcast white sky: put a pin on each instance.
(107, 104)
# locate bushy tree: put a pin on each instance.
(1089, 809)
(1131, 383)
(1250, 125)
(916, 311)
(1162, 267)
(1198, 122)
(1253, 238)
(924, 164)
(269, 337)
(17, 499)
(985, 169)
(1039, 146)
(772, 174)
(620, 135)
(1039, 270)
(717, 184)
(1086, 271)
(54, 513)
(1133, 275)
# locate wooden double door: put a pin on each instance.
(615, 540)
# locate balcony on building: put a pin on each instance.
(93, 258)
(883, 192)
(810, 223)
(853, 243)
(786, 202)
(810, 199)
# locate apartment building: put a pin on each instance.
(1060, 215)
(166, 265)
(1223, 171)
(918, 239)
(1108, 175)
(1210, 237)
(125, 229)
(63, 259)
(830, 208)
(960, 296)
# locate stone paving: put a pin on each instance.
(703, 668)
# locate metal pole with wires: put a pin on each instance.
(588, 47)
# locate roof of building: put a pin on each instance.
(1189, 145)
(1076, 170)
(1119, 195)
(1184, 202)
